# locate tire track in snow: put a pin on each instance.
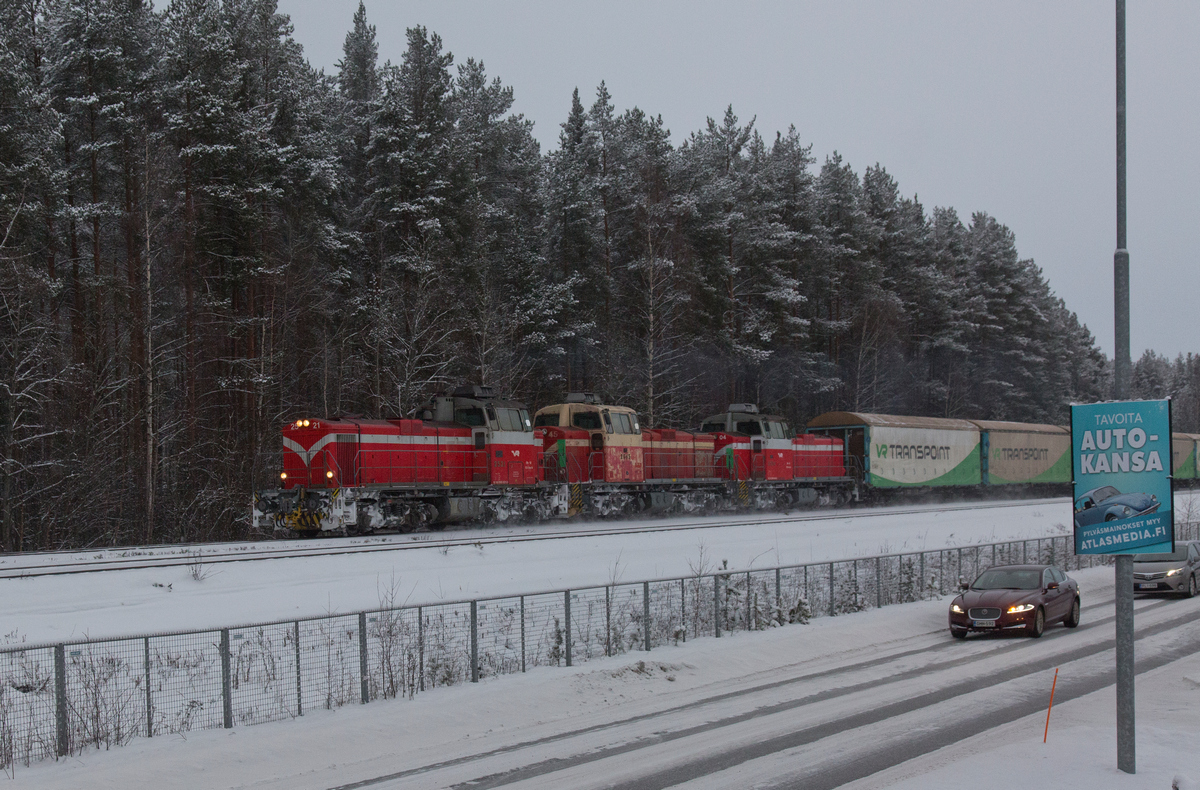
(984, 649)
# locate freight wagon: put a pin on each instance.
(891, 451)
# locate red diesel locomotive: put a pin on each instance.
(471, 455)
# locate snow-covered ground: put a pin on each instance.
(128, 602)
(553, 727)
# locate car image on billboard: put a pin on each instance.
(1108, 504)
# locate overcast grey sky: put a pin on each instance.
(1003, 107)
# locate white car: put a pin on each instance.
(1168, 573)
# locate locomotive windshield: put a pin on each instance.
(472, 417)
(751, 427)
(511, 420)
(549, 420)
(587, 420)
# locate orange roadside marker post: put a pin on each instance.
(1046, 734)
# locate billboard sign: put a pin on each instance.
(1121, 458)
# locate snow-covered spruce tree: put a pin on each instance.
(512, 308)
(33, 375)
(650, 284)
(730, 281)
(572, 247)
(407, 335)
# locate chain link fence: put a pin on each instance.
(63, 699)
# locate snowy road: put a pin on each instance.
(871, 699)
(825, 728)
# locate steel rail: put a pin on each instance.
(141, 561)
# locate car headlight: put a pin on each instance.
(1021, 607)
(956, 608)
(1175, 571)
(1127, 510)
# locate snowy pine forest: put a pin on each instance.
(202, 237)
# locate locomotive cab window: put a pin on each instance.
(622, 423)
(587, 420)
(509, 420)
(472, 417)
(549, 420)
(751, 427)
(525, 425)
(608, 425)
(712, 427)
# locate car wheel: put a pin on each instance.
(1191, 590)
(1073, 618)
(1111, 517)
(958, 634)
(1038, 625)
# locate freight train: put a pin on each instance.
(472, 456)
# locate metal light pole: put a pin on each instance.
(1121, 362)
(1123, 574)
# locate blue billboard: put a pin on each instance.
(1121, 455)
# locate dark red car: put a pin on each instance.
(1011, 597)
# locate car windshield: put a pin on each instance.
(1008, 579)
(1105, 493)
(1179, 555)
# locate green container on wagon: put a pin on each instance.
(892, 451)
(1015, 453)
(1183, 455)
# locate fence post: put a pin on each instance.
(522, 633)
(807, 590)
(60, 699)
(717, 606)
(748, 610)
(362, 656)
(226, 683)
(941, 572)
(567, 618)
(779, 596)
(878, 584)
(832, 611)
(1024, 552)
(299, 684)
(683, 629)
(474, 642)
(960, 569)
(646, 615)
(922, 576)
(149, 693)
(993, 554)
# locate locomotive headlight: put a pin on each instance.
(306, 423)
(329, 475)
(283, 475)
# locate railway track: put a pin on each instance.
(62, 563)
